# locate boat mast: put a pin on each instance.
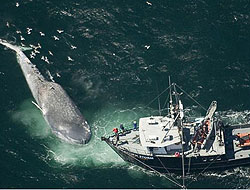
(180, 125)
(182, 157)
(170, 98)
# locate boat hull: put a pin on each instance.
(174, 164)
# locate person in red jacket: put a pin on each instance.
(115, 130)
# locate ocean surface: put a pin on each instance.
(113, 57)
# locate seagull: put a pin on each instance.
(33, 53)
(18, 32)
(36, 51)
(51, 53)
(22, 38)
(55, 37)
(73, 47)
(32, 46)
(147, 46)
(46, 59)
(31, 56)
(17, 4)
(58, 75)
(149, 3)
(8, 24)
(60, 31)
(70, 59)
(50, 76)
(42, 58)
(42, 34)
(39, 46)
(29, 30)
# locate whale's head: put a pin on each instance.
(80, 134)
(73, 132)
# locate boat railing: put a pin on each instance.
(136, 151)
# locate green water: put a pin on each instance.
(125, 51)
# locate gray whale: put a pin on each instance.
(57, 108)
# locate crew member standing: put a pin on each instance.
(122, 128)
(135, 125)
(115, 130)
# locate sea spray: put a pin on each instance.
(94, 154)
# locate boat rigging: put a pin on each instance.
(175, 143)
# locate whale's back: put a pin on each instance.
(62, 114)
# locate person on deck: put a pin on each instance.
(207, 123)
(115, 130)
(122, 128)
(135, 125)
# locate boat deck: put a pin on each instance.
(213, 146)
(233, 151)
(130, 141)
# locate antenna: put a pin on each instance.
(171, 98)
(159, 102)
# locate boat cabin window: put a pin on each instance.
(152, 121)
(155, 123)
(168, 138)
(153, 138)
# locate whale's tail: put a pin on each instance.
(15, 48)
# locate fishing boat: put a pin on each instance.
(174, 143)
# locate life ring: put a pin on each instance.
(177, 154)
